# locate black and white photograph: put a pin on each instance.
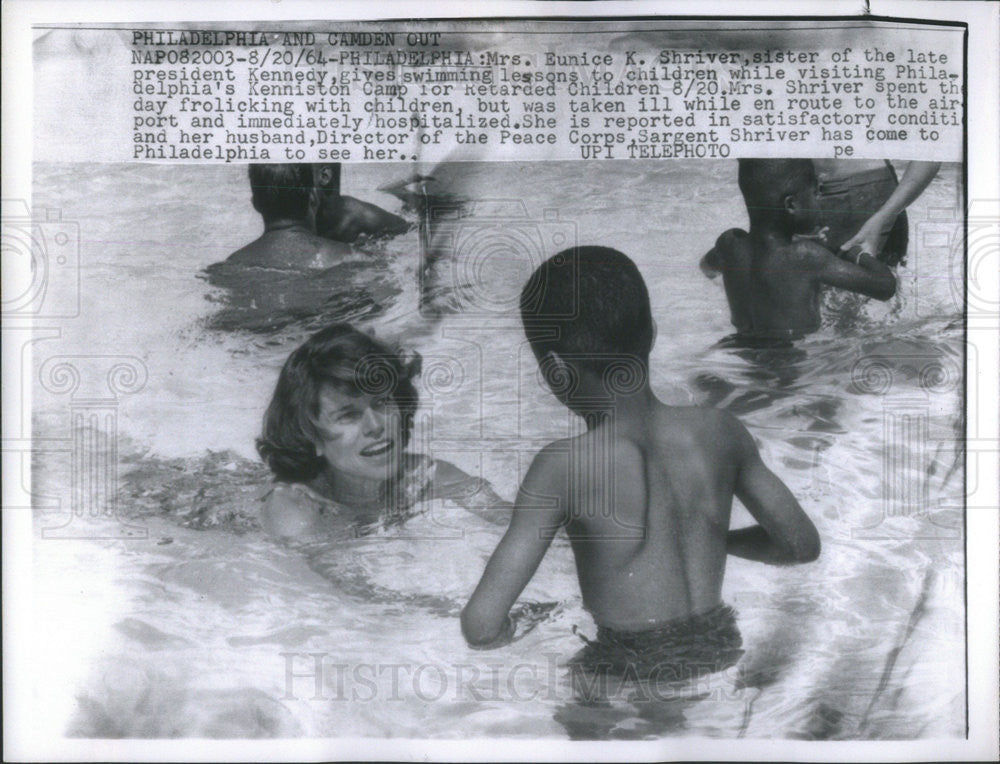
(597, 390)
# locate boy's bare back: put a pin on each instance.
(773, 282)
(774, 273)
(645, 494)
(649, 534)
(646, 503)
(291, 248)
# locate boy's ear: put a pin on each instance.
(790, 204)
(553, 359)
(557, 373)
(327, 178)
(325, 175)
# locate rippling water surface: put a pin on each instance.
(201, 626)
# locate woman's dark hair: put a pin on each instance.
(350, 360)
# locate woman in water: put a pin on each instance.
(334, 437)
(865, 205)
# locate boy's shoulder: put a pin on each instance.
(557, 466)
(553, 461)
(735, 241)
(680, 424)
(248, 254)
(808, 252)
(701, 419)
(555, 455)
(330, 249)
(805, 252)
(291, 249)
(673, 421)
(711, 432)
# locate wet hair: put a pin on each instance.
(348, 359)
(765, 183)
(281, 190)
(591, 303)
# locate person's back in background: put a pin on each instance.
(344, 218)
(773, 275)
(281, 193)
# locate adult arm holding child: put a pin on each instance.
(538, 514)
(785, 534)
(917, 177)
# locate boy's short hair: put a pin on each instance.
(281, 190)
(765, 183)
(348, 359)
(589, 303)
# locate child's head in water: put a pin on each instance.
(281, 191)
(344, 403)
(780, 193)
(587, 316)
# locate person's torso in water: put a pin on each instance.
(770, 284)
(650, 515)
(290, 247)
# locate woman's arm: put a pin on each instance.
(917, 177)
(473, 494)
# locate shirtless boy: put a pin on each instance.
(344, 218)
(281, 194)
(774, 273)
(645, 494)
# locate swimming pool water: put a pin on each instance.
(204, 627)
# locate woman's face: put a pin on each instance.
(360, 435)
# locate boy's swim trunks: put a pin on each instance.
(701, 644)
(848, 202)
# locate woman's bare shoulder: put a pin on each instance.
(291, 509)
